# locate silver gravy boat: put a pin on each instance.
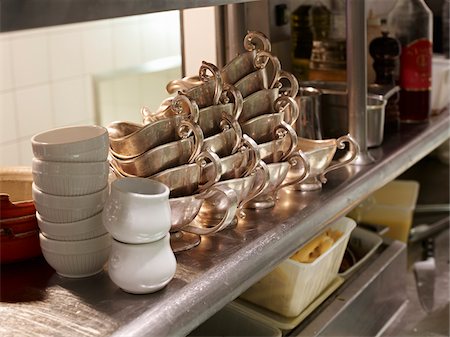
(227, 141)
(282, 145)
(206, 91)
(277, 179)
(261, 128)
(128, 140)
(240, 164)
(246, 189)
(320, 154)
(268, 101)
(211, 118)
(187, 227)
(247, 62)
(162, 157)
(192, 178)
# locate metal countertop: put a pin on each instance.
(36, 301)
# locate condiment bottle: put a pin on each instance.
(411, 22)
(385, 51)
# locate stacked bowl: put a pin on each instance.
(70, 187)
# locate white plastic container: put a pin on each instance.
(392, 205)
(231, 322)
(292, 286)
(285, 324)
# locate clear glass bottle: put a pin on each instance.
(411, 22)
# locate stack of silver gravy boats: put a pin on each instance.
(225, 142)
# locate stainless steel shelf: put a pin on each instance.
(25, 14)
(37, 301)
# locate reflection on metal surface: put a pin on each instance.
(57, 310)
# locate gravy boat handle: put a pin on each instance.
(289, 134)
(284, 102)
(198, 138)
(295, 159)
(216, 76)
(256, 35)
(352, 153)
(227, 122)
(179, 104)
(230, 197)
(258, 189)
(292, 88)
(262, 58)
(252, 147)
(237, 99)
(215, 160)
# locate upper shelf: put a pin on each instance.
(25, 14)
(209, 276)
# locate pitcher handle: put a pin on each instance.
(353, 152)
(185, 128)
(256, 191)
(231, 200)
(251, 36)
(250, 144)
(216, 76)
(236, 95)
(285, 130)
(294, 159)
(201, 162)
(284, 102)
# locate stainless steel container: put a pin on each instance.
(334, 111)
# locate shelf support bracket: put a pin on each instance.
(357, 77)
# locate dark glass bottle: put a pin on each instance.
(385, 51)
(411, 22)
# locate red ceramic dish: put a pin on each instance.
(19, 231)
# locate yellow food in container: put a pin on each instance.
(292, 285)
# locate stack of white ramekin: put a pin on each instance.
(70, 187)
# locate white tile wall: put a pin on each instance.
(154, 45)
(30, 59)
(6, 77)
(25, 152)
(9, 154)
(65, 54)
(126, 43)
(34, 109)
(69, 101)
(97, 48)
(47, 74)
(8, 123)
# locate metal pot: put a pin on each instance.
(334, 110)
